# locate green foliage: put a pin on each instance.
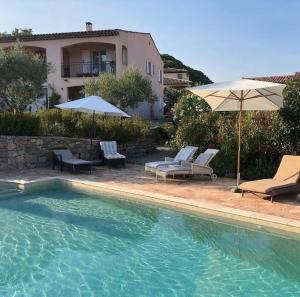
(196, 76)
(189, 106)
(54, 99)
(128, 91)
(291, 110)
(264, 141)
(23, 124)
(171, 95)
(58, 122)
(17, 32)
(22, 76)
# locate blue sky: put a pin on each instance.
(226, 39)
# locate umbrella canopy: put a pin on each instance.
(241, 95)
(94, 104)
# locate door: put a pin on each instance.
(86, 62)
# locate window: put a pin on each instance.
(149, 68)
(124, 55)
(179, 75)
(160, 76)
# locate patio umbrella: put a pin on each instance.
(94, 105)
(241, 95)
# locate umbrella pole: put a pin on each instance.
(92, 135)
(239, 143)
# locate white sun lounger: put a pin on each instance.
(185, 154)
(110, 153)
(199, 167)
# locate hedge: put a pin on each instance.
(56, 122)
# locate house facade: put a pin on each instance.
(78, 56)
(176, 78)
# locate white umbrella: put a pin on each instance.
(94, 105)
(241, 95)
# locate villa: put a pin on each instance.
(78, 56)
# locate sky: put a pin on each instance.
(226, 39)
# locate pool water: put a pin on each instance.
(59, 242)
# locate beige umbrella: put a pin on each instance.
(241, 95)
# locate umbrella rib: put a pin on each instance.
(218, 96)
(237, 98)
(213, 93)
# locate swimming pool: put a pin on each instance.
(61, 242)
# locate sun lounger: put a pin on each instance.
(285, 180)
(199, 167)
(110, 153)
(65, 158)
(185, 154)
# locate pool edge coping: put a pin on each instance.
(212, 209)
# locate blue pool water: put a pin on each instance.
(59, 242)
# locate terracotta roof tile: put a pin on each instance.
(176, 81)
(281, 79)
(53, 36)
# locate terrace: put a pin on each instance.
(88, 60)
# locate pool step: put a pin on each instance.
(8, 192)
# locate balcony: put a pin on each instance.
(87, 69)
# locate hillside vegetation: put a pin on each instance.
(196, 76)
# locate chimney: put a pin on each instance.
(89, 26)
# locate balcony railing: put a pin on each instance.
(87, 69)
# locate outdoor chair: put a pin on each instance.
(185, 154)
(110, 155)
(285, 180)
(199, 167)
(64, 158)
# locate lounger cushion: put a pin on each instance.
(114, 156)
(64, 153)
(203, 159)
(289, 169)
(173, 170)
(109, 147)
(265, 186)
(185, 153)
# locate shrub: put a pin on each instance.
(291, 110)
(23, 124)
(74, 124)
(189, 105)
(54, 99)
(56, 122)
(264, 141)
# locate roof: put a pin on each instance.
(280, 79)
(176, 81)
(66, 35)
(174, 70)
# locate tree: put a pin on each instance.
(196, 76)
(21, 77)
(291, 110)
(17, 32)
(128, 91)
(189, 106)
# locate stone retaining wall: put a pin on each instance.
(20, 152)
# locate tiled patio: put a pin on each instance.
(203, 190)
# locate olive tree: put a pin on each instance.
(21, 77)
(129, 90)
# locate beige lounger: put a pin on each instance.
(285, 180)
